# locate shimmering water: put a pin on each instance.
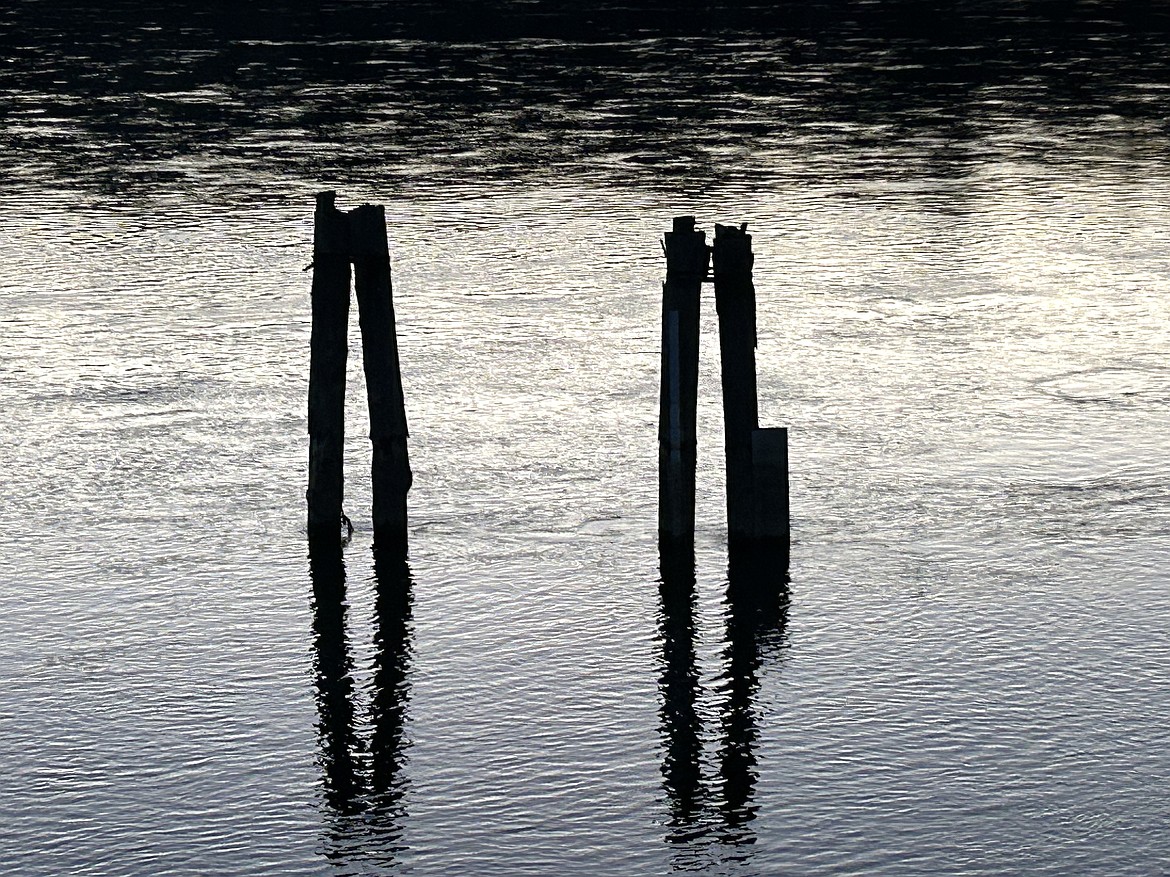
(962, 272)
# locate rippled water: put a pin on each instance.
(962, 273)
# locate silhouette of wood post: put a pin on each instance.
(391, 473)
(686, 267)
(328, 348)
(735, 302)
(770, 518)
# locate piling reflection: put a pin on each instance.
(362, 776)
(333, 677)
(722, 808)
(757, 612)
(391, 689)
(679, 687)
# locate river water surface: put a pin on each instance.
(963, 282)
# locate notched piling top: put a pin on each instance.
(367, 232)
(330, 227)
(732, 253)
(357, 234)
(686, 250)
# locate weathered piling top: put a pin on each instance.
(732, 254)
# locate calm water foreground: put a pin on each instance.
(962, 271)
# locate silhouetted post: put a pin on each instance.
(735, 301)
(391, 466)
(686, 267)
(330, 306)
(770, 527)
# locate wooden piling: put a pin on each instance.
(770, 527)
(686, 267)
(328, 347)
(735, 302)
(391, 473)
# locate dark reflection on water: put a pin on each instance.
(722, 810)
(362, 777)
(757, 613)
(333, 671)
(391, 691)
(117, 95)
(679, 687)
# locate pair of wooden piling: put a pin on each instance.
(339, 240)
(757, 459)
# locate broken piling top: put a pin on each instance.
(732, 255)
(732, 260)
(330, 228)
(368, 238)
(687, 255)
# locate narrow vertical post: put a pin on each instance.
(330, 307)
(686, 267)
(391, 475)
(735, 301)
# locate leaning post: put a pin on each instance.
(686, 267)
(391, 475)
(330, 309)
